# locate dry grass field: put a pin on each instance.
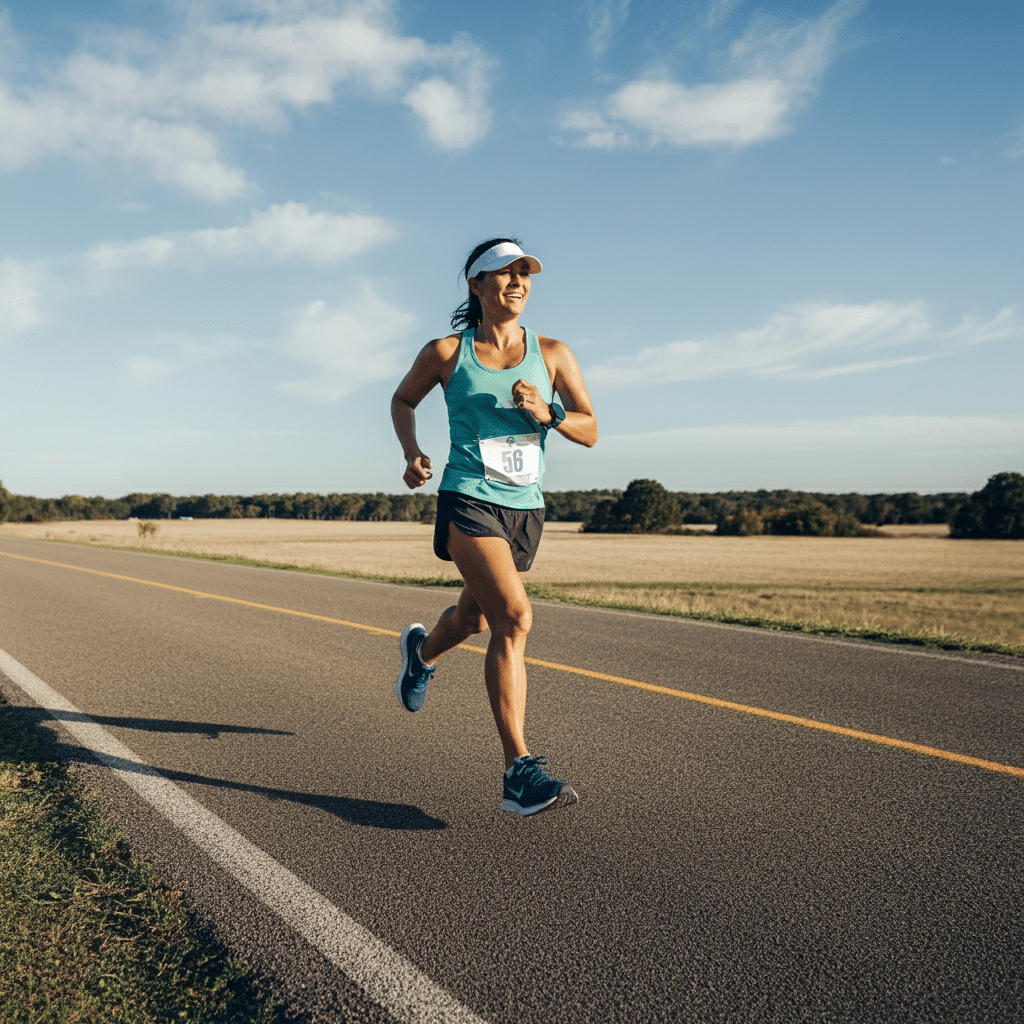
(911, 579)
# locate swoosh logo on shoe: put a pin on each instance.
(518, 795)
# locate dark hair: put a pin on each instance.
(470, 313)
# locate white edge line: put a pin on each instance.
(384, 975)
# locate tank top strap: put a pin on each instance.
(534, 352)
(463, 358)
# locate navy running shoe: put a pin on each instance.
(412, 683)
(529, 790)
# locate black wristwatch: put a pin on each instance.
(557, 416)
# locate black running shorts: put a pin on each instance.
(521, 527)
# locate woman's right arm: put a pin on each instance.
(426, 373)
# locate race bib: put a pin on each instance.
(513, 459)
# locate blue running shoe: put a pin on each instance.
(529, 790)
(412, 683)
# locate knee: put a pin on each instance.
(515, 621)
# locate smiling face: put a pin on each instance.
(503, 293)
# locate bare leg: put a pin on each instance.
(494, 590)
(455, 625)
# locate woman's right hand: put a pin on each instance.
(417, 471)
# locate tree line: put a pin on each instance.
(303, 505)
(645, 506)
(648, 507)
(996, 511)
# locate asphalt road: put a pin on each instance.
(720, 866)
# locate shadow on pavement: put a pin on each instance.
(367, 813)
(211, 729)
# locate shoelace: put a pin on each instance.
(530, 768)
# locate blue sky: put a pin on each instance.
(784, 241)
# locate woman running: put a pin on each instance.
(499, 382)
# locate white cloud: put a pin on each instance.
(455, 113)
(734, 114)
(20, 291)
(796, 341)
(353, 343)
(595, 131)
(284, 231)
(157, 104)
(454, 119)
(776, 69)
(66, 122)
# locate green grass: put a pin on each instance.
(936, 641)
(87, 931)
(1009, 586)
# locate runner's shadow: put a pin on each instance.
(366, 813)
(210, 729)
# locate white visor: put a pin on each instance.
(500, 256)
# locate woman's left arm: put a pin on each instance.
(580, 423)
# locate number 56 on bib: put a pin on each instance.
(512, 459)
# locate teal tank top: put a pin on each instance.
(497, 450)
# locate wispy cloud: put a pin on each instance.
(971, 331)
(720, 12)
(605, 18)
(331, 338)
(284, 231)
(159, 356)
(158, 104)
(863, 453)
(894, 452)
(1014, 142)
(774, 69)
(334, 340)
(809, 341)
(912, 433)
(20, 292)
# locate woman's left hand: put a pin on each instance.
(529, 399)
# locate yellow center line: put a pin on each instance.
(777, 716)
(214, 597)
